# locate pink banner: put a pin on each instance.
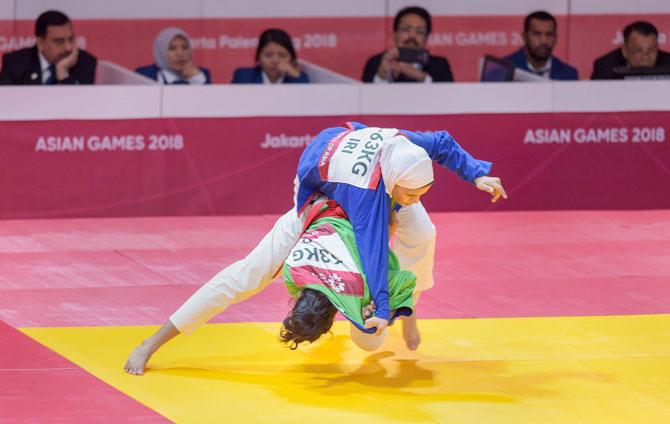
(246, 165)
(342, 44)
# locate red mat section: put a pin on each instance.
(136, 271)
(38, 385)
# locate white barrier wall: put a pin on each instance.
(125, 102)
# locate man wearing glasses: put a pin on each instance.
(639, 50)
(408, 60)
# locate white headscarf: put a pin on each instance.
(405, 164)
(162, 43)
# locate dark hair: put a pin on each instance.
(540, 15)
(312, 315)
(413, 10)
(47, 19)
(274, 35)
(641, 27)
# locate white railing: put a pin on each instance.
(156, 101)
(109, 73)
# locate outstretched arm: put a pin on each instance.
(442, 148)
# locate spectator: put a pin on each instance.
(539, 39)
(276, 62)
(639, 50)
(411, 28)
(174, 60)
(55, 58)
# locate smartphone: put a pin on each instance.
(410, 55)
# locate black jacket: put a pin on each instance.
(437, 67)
(603, 66)
(22, 67)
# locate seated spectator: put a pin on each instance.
(411, 28)
(539, 39)
(639, 50)
(174, 60)
(276, 62)
(55, 58)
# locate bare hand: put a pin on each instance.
(491, 185)
(368, 310)
(64, 65)
(287, 68)
(386, 64)
(380, 323)
(190, 70)
(407, 69)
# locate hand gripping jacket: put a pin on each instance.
(326, 259)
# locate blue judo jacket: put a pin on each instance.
(343, 163)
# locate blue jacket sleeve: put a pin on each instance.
(442, 148)
(368, 211)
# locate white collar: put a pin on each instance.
(544, 70)
(44, 63)
(266, 79)
(44, 67)
(168, 76)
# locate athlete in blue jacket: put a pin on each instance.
(377, 175)
(345, 164)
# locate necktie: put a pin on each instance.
(52, 78)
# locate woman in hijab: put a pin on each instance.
(276, 62)
(377, 176)
(174, 60)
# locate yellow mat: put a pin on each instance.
(516, 370)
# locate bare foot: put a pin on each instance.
(137, 360)
(410, 332)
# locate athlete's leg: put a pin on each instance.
(365, 341)
(233, 284)
(410, 329)
(415, 248)
(243, 278)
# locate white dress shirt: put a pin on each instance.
(44, 66)
(166, 76)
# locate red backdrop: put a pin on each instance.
(342, 44)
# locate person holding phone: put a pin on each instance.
(276, 62)
(408, 60)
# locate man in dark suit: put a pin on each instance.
(539, 39)
(55, 58)
(411, 28)
(639, 50)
